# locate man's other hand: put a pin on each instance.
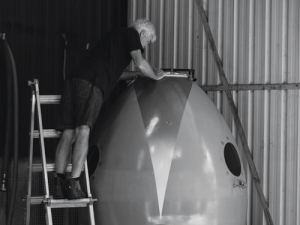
(159, 73)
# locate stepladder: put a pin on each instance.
(47, 200)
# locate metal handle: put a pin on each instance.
(172, 74)
(241, 184)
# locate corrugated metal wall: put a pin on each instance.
(258, 42)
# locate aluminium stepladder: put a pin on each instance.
(43, 167)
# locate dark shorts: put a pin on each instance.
(80, 104)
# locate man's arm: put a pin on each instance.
(129, 75)
(144, 67)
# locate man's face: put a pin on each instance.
(145, 39)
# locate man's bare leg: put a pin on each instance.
(79, 154)
(80, 149)
(63, 151)
(62, 158)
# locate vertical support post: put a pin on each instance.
(220, 50)
(148, 17)
(190, 37)
(204, 51)
(283, 122)
(235, 60)
(267, 94)
(176, 19)
(134, 17)
(298, 159)
(161, 32)
(65, 55)
(250, 103)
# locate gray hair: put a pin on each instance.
(145, 24)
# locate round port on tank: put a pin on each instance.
(232, 159)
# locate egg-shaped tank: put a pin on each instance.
(165, 155)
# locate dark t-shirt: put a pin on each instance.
(109, 58)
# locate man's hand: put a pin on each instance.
(159, 73)
(144, 66)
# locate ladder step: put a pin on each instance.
(62, 203)
(48, 133)
(50, 99)
(38, 167)
(36, 200)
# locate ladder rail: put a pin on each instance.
(89, 195)
(87, 179)
(30, 159)
(49, 220)
(42, 143)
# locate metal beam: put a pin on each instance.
(252, 87)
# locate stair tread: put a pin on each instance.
(38, 167)
(50, 99)
(47, 133)
(62, 203)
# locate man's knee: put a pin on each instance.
(68, 135)
(82, 130)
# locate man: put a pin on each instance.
(84, 94)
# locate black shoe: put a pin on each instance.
(74, 190)
(60, 191)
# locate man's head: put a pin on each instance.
(146, 30)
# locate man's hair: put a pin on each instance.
(145, 24)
